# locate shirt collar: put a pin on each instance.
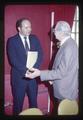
(22, 37)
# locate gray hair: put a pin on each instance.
(63, 26)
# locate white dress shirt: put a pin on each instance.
(22, 38)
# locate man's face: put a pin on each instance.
(25, 28)
(57, 34)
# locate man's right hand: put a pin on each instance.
(32, 73)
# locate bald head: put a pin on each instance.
(20, 21)
(63, 26)
(62, 30)
(23, 26)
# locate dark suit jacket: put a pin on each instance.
(17, 55)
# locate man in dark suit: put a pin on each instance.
(17, 58)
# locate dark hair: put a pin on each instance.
(19, 22)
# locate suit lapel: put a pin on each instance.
(58, 57)
(32, 42)
(20, 45)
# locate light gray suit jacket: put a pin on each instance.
(64, 73)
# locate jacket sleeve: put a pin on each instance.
(61, 70)
(40, 54)
(13, 58)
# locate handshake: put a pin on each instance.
(32, 73)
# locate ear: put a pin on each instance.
(18, 28)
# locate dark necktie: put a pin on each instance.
(26, 44)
